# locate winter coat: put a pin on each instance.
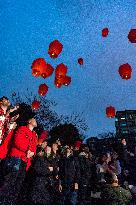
(85, 170)
(69, 170)
(5, 146)
(24, 140)
(115, 196)
(40, 190)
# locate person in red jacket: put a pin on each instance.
(7, 125)
(22, 149)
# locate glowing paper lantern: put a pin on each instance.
(58, 82)
(61, 70)
(43, 89)
(55, 49)
(38, 67)
(81, 61)
(66, 80)
(35, 104)
(132, 36)
(110, 112)
(105, 32)
(48, 71)
(125, 71)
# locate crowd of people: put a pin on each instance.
(36, 171)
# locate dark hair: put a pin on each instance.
(4, 97)
(39, 149)
(110, 178)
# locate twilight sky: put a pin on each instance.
(28, 26)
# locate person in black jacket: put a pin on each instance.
(40, 191)
(69, 175)
(86, 171)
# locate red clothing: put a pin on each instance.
(4, 120)
(24, 140)
(5, 146)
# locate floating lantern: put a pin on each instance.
(125, 71)
(35, 104)
(110, 112)
(81, 61)
(58, 82)
(105, 32)
(43, 89)
(48, 71)
(38, 67)
(132, 36)
(66, 80)
(61, 70)
(55, 49)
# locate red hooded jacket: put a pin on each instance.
(24, 140)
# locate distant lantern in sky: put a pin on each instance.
(38, 67)
(80, 61)
(48, 71)
(14, 94)
(132, 36)
(43, 89)
(61, 70)
(55, 49)
(125, 71)
(66, 80)
(110, 112)
(105, 32)
(58, 82)
(35, 104)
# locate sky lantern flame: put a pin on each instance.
(125, 71)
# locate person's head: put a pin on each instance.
(42, 140)
(4, 101)
(54, 147)
(111, 178)
(67, 151)
(40, 151)
(78, 144)
(58, 142)
(32, 122)
(48, 151)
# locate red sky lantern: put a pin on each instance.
(38, 67)
(132, 36)
(105, 32)
(55, 49)
(48, 71)
(80, 61)
(110, 112)
(66, 80)
(61, 70)
(43, 89)
(35, 104)
(125, 71)
(58, 82)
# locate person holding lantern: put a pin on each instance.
(22, 150)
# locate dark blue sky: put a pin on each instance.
(28, 26)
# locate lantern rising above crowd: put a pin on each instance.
(125, 71)
(80, 61)
(110, 112)
(55, 49)
(43, 89)
(105, 32)
(35, 105)
(38, 67)
(132, 36)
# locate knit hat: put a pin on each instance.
(78, 143)
(43, 137)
